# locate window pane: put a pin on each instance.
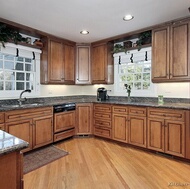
(123, 78)
(137, 77)
(19, 66)
(28, 67)
(9, 65)
(20, 59)
(9, 75)
(130, 77)
(29, 77)
(20, 76)
(19, 85)
(147, 67)
(28, 60)
(9, 85)
(1, 85)
(1, 75)
(146, 76)
(139, 68)
(131, 69)
(137, 85)
(146, 85)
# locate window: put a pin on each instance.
(18, 73)
(134, 69)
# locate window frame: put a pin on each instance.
(26, 52)
(122, 92)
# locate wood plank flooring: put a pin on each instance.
(95, 163)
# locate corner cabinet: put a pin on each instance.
(57, 62)
(171, 53)
(102, 63)
(83, 64)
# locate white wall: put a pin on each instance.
(173, 90)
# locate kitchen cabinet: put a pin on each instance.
(102, 120)
(57, 62)
(120, 123)
(84, 119)
(64, 125)
(171, 53)
(166, 131)
(11, 173)
(83, 64)
(137, 126)
(32, 125)
(102, 63)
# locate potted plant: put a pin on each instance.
(9, 34)
(144, 38)
(119, 48)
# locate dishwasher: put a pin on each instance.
(64, 121)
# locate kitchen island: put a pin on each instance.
(11, 165)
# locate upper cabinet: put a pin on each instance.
(57, 62)
(83, 64)
(102, 64)
(170, 53)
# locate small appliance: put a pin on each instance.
(102, 94)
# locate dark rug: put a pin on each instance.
(38, 158)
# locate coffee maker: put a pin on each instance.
(102, 94)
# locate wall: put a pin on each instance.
(173, 90)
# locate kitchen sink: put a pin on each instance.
(17, 105)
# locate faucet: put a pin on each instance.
(20, 100)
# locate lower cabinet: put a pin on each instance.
(84, 119)
(137, 126)
(64, 125)
(102, 120)
(11, 173)
(166, 131)
(120, 123)
(32, 125)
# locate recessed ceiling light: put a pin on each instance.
(128, 17)
(84, 32)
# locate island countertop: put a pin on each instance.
(10, 143)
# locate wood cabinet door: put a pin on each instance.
(99, 64)
(42, 131)
(175, 138)
(180, 51)
(137, 131)
(160, 54)
(55, 67)
(155, 134)
(83, 65)
(64, 121)
(69, 64)
(120, 127)
(2, 127)
(84, 118)
(21, 129)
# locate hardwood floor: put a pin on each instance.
(98, 164)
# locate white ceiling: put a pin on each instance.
(102, 18)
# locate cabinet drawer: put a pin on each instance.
(102, 123)
(120, 109)
(2, 117)
(102, 115)
(63, 135)
(102, 132)
(27, 113)
(102, 107)
(166, 114)
(137, 111)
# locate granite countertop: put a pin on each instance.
(136, 101)
(10, 143)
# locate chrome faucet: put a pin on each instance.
(20, 100)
